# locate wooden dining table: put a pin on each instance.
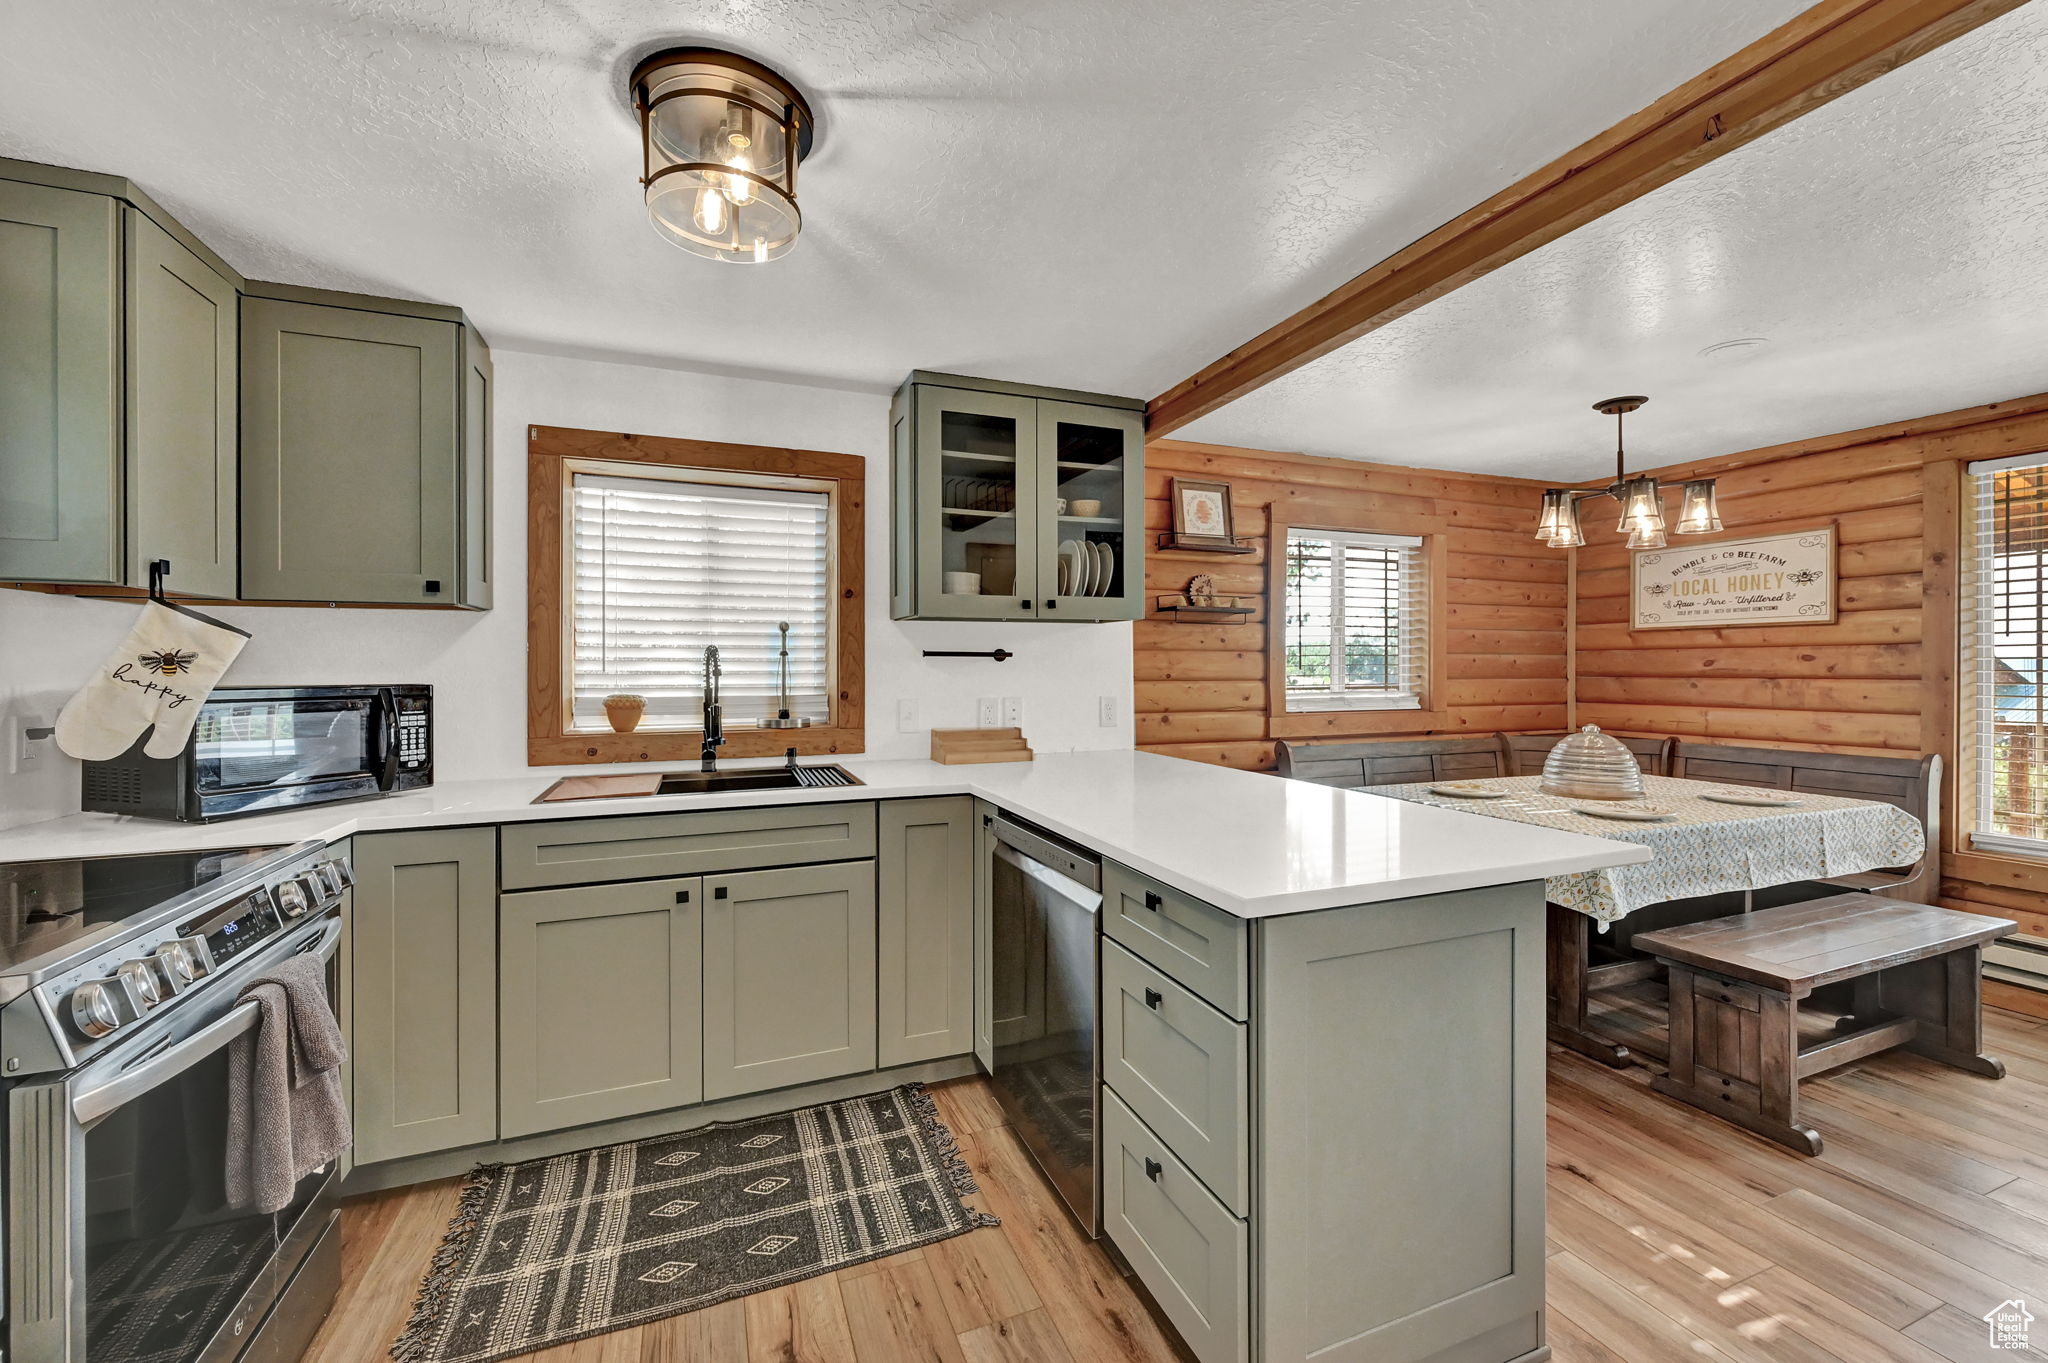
(1708, 840)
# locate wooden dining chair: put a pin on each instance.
(1355, 764)
(1524, 753)
(1911, 783)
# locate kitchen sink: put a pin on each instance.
(769, 778)
(626, 785)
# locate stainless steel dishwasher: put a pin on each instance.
(1046, 912)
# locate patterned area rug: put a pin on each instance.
(560, 1249)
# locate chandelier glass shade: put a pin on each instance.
(1641, 499)
(720, 139)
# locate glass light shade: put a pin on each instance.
(721, 139)
(1567, 534)
(1555, 500)
(1697, 513)
(1647, 537)
(1642, 506)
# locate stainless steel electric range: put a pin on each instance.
(118, 984)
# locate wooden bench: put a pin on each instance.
(1736, 983)
(1525, 752)
(1356, 764)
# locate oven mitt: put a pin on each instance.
(158, 676)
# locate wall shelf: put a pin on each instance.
(1202, 545)
(1226, 608)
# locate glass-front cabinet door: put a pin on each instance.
(977, 538)
(1091, 497)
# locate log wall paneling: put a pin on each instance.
(1201, 690)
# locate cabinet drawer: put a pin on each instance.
(589, 851)
(1196, 943)
(1185, 1245)
(1182, 1066)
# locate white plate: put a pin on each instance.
(1070, 555)
(1467, 790)
(1105, 563)
(1750, 797)
(1632, 813)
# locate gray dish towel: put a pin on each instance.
(286, 1115)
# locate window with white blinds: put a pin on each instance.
(2005, 654)
(661, 567)
(1357, 621)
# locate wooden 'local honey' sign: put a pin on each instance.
(1768, 580)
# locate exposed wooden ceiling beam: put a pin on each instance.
(1826, 51)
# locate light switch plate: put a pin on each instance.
(988, 712)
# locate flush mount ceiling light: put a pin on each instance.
(1641, 498)
(720, 138)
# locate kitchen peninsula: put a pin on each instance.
(1322, 1011)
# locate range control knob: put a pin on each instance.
(338, 873)
(180, 964)
(93, 1008)
(292, 896)
(142, 982)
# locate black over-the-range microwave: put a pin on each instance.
(260, 749)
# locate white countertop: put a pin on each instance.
(1251, 844)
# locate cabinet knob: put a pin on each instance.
(1153, 901)
(718, 892)
(682, 896)
(1153, 998)
(1024, 605)
(433, 586)
(1052, 603)
(1153, 1169)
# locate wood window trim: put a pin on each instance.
(549, 740)
(1434, 534)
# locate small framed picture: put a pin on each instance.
(1201, 510)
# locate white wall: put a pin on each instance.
(477, 662)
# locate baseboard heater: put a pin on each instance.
(2018, 960)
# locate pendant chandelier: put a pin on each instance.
(1641, 498)
(720, 138)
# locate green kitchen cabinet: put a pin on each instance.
(987, 484)
(599, 1003)
(118, 353)
(365, 452)
(924, 929)
(424, 1012)
(789, 976)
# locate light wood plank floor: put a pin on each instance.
(1672, 1237)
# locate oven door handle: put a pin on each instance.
(89, 1105)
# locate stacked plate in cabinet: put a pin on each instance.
(1086, 569)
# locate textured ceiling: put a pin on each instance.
(1891, 248)
(1096, 195)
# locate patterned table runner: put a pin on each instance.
(1708, 848)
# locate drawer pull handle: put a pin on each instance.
(1153, 901)
(1153, 1169)
(682, 896)
(1153, 998)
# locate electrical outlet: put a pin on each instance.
(28, 751)
(1013, 711)
(906, 716)
(1105, 711)
(988, 712)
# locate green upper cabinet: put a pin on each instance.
(117, 381)
(365, 451)
(1013, 502)
(183, 323)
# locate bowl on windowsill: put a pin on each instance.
(623, 712)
